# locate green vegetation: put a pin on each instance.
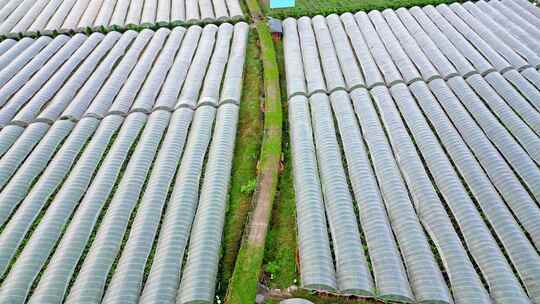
(243, 284)
(254, 9)
(249, 187)
(327, 7)
(121, 29)
(244, 174)
(280, 253)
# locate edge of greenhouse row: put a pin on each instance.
(279, 273)
(120, 29)
(243, 284)
(244, 175)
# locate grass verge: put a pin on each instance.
(327, 7)
(244, 175)
(280, 254)
(243, 284)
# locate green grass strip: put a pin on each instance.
(243, 284)
(116, 28)
(246, 156)
(280, 252)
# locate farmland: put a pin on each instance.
(45, 16)
(91, 215)
(423, 112)
(158, 151)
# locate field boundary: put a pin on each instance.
(243, 284)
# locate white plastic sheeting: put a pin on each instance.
(60, 269)
(50, 229)
(20, 16)
(501, 219)
(166, 283)
(316, 263)
(389, 273)
(410, 236)
(21, 182)
(91, 278)
(93, 163)
(26, 89)
(351, 267)
(446, 101)
(22, 220)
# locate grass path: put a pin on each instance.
(243, 284)
(280, 253)
(248, 145)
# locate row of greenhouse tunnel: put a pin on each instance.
(97, 130)
(47, 16)
(415, 137)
